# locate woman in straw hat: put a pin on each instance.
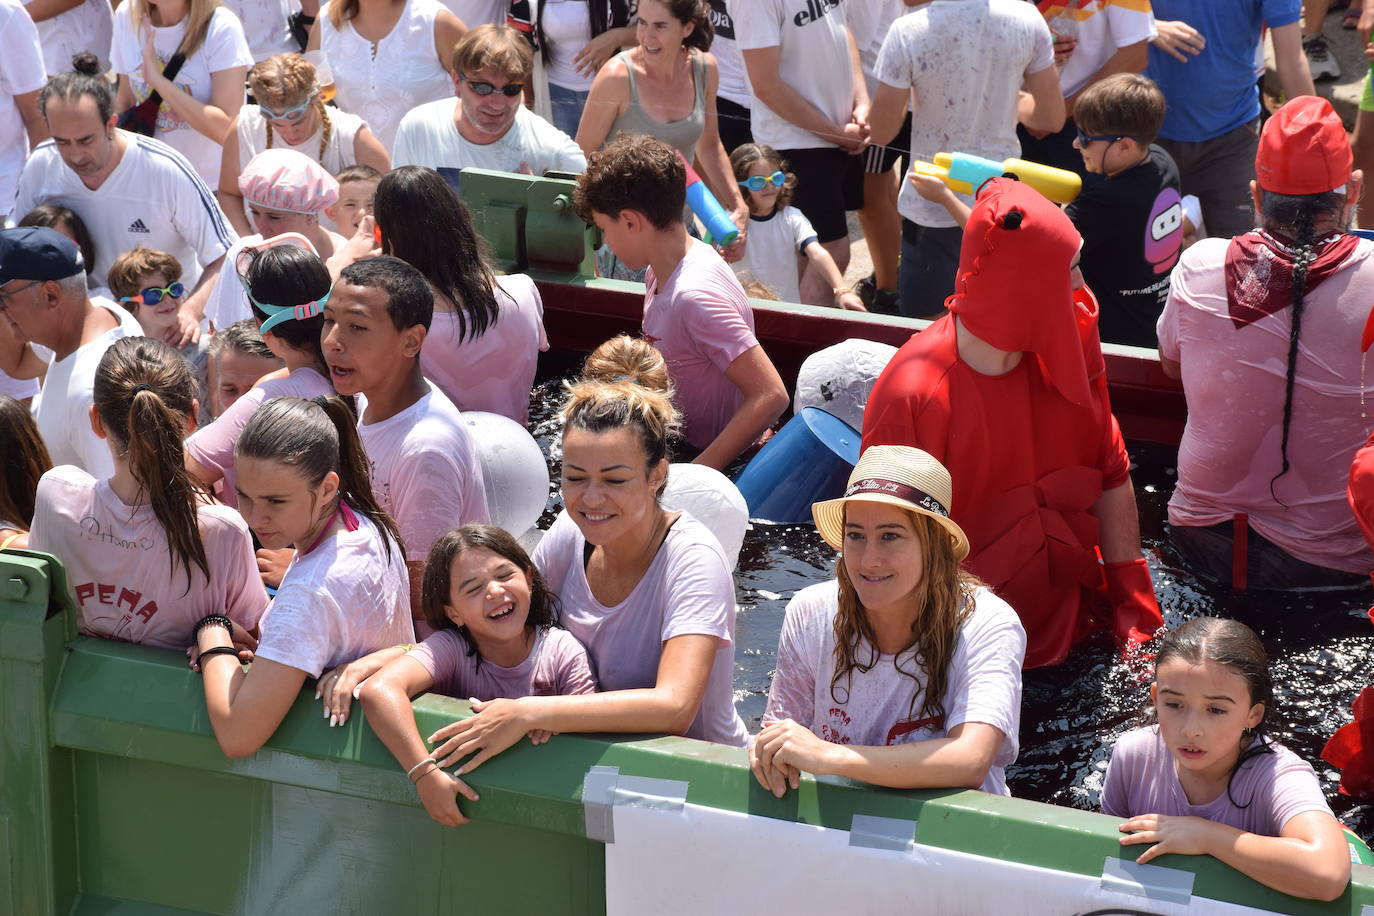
(906, 670)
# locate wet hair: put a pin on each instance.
(623, 402)
(56, 216)
(1129, 104)
(85, 78)
(198, 16)
(289, 275)
(1234, 645)
(494, 47)
(425, 224)
(127, 272)
(1299, 214)
(943, 600)
(633, 173)
(632, 358)
(145, 394)
(242, 336)
(746, 154)
(358, 172)
(316, 437)
(23, 460)
(284, 81)
(438, 581)
(694, 13)
(410, 301)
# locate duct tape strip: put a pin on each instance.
(1154, 882)
(603, 788)
(882, 833)
(1367, 910)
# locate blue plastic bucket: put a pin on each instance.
(808, 460)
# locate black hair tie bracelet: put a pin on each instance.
(212, 620)
(217, 650)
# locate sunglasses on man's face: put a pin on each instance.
(153, 294)
(290, 115)
(759, 182)
(510, 90)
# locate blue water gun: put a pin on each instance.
(720, 228)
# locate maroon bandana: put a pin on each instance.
(1259, 272)
(901, 491)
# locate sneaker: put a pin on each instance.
(886, 302)
(1319, 59)
(867, 289)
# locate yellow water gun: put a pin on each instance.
(965, 174)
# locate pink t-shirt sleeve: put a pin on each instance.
(554, 553)
(213, 445)
(792, 694)
(235, 562)
(701, 594)
(1125, 773)
(442, 654)
(302, 630)
(1294, 790)
(571, 667)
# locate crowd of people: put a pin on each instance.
(245, 310)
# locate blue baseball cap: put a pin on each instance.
(37, 253)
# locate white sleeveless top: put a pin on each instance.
(381, 84)
(338, 149)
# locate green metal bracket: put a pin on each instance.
(528, 221)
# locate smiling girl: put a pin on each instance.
(905, 671)
(303, 483)
(1206, 780)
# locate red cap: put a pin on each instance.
(1303, 149)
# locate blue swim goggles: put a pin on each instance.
(278, 314)
(759, 182)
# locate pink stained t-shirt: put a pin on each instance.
(119, 564)
(687, 589)
(1274, 788)
(346, 598)
(700, 320)
(556, 666)
(493, 372)
(425, 471)
(1234, 382)
(882, 706)
(213, 445)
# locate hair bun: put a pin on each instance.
(628, 359)
(86, 63)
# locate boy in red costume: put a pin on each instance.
(1009, 391)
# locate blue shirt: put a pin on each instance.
(1215, 92)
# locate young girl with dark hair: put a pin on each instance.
(24, 460)
(287, 285)
(495, 635)
(487, 331)
(906, 670)
(147, 552)
(303, 482)
(1205, 779)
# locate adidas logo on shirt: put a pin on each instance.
(137, 226)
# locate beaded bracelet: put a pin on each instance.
(213, 620)
(216, 650)
(410, 774)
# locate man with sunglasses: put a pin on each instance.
(43, 298)
(486, 126)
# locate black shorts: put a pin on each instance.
(734, 122)
(829, 182)
(879, 160)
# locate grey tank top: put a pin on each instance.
(681, 135)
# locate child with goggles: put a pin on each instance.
(779, 232)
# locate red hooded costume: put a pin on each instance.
(1032, 450)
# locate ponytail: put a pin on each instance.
(144, 394)
(316, 437)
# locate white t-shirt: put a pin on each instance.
(961, 104)
(494, 372)
(813, 58)
(429, 137)
(882, 706)
(265, 25)
(339, 602)
(18, 388)
(775, 242)
(225, 48)
(734, 80)
(152, 198)
(62, 410)
(425, 471)
(687, 589)
(21, 71)
(381, 82)
(567, 28)
(1104, 26)
(85, 27)
(478, 12)
(117, 560)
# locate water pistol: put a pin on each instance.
(720, 228)
(965, 174)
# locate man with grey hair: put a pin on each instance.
(43, 297)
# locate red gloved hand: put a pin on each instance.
(1351, 748)
(1136, 615)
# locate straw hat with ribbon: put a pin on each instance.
(900, 476)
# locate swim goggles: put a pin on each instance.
(292, 114)
(759, 182)
(1084, 139)
(278, 314)
(153, 294)
(510, 90)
